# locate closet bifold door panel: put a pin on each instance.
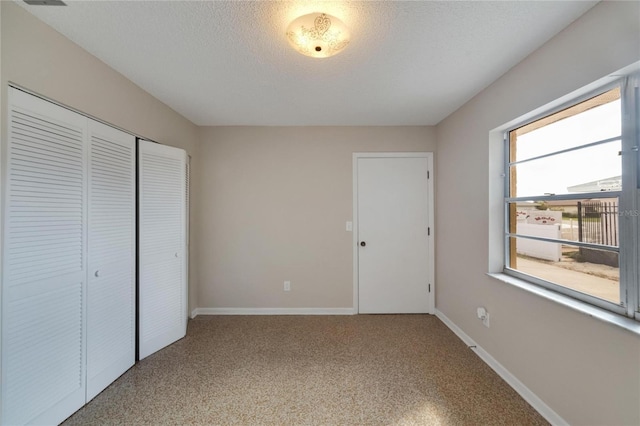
(44, 265)
(69, 259)
(162, 246)
(111, 281)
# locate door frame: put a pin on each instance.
(431, 239)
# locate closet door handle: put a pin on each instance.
(176, 255)
(97, 273)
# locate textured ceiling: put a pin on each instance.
(229, 62)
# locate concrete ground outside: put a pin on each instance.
(597, 280)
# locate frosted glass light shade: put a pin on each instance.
(318, 35)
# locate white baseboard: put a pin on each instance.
(538, 404)
(272, 311)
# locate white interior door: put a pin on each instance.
(162, 251)
(44, 263)
(111, 282)
(393, 233)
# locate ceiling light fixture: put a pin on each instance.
(318, 35)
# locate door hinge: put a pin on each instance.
(429, 288)
(428, 176)
(428, 231)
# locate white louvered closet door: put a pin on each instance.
(111, 281)
(44, 263)
(162, 250)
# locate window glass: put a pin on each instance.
(568, 242)
(587, 122)
(586, 270)
(593, 220)
(592, 169)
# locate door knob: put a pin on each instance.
(97, 274)
(363, 244)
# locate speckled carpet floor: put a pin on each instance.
(311, 370)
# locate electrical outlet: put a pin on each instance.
(485, 320)
(484, 316)
(287, 286)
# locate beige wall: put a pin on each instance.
(40, 59)
(274, 202)
(587, 371)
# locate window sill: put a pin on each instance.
(584, 308)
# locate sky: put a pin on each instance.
(553, 175)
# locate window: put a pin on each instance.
(571, 209)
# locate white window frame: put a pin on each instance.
(628, 197)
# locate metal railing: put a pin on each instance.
(598, 222)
